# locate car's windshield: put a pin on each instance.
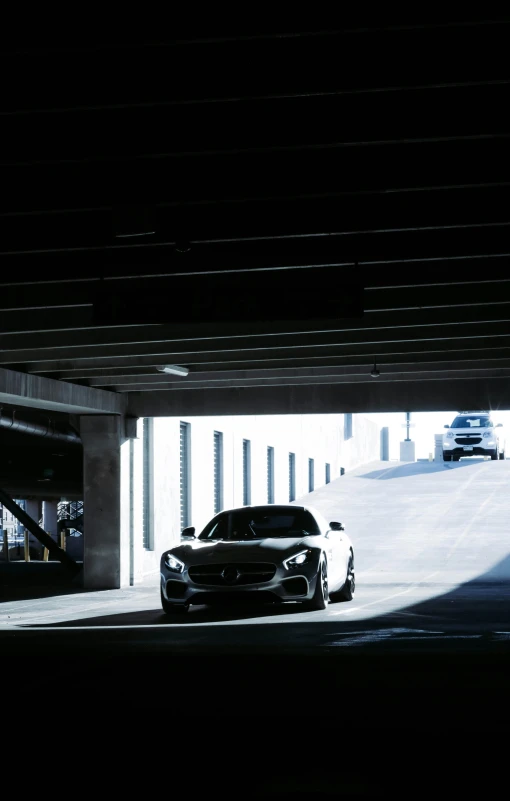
(472, 421)
(249, 524)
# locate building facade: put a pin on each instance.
(8, 523)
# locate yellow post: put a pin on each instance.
(63, 539)
(27, 549)
(430, 458)
(46, 553)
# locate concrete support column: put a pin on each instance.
(111, 503)
(33, 508)
(105, 556)
(50, 518)
(407, 451)
(132, 505)
(385, 444)
(136, 491)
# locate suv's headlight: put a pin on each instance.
(487, 434)
(301, 558)
(450, 434)
(173, 563)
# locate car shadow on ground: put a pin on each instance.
(481, 605)
(197, 614)
(417, 468)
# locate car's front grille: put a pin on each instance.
(468, 440)
(232, 574)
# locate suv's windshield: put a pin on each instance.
(472, 421)
(251, 524)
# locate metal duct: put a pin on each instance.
(48, 429)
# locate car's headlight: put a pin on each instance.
(301, 558)
(487, 434)
(173, 563)
(450, 434)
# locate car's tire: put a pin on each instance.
(172, 609)
(347, 591)
(447, 457)
(321, 595)
(502, 455)
(455, 457)
(494, 455)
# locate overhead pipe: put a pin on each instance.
(48, 430)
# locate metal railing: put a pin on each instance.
(16, 547)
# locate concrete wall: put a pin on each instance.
(320, 437)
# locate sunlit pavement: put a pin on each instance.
(432, 564)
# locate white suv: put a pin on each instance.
(473, 434)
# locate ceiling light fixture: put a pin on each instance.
(375, 372)
(173, 369)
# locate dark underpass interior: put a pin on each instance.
(302, 219)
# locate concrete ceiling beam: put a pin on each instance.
(45, 393)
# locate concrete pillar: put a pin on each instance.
(103, 565)
(110, 503)
(407, 451)
(32, 509)
(50, 518)
(438, 447)
(136, 523)
(385, 444)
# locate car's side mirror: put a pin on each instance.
(447, 426)
(188, 533)
(499, 425)
(336, 526)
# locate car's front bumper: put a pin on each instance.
(476, 450)
(297, 584)
(484, 448)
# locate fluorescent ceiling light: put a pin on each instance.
(174, 369)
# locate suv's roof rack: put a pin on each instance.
(476, 411)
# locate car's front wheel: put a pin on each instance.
(172, 609)
(502, 454)
(347, 591)
(447, 457)
(495, 455)
(321, 594)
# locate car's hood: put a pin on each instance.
(196, 552)
(475, 432)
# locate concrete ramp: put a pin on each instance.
(424, 521)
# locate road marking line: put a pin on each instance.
(470, 525)
(388, 597)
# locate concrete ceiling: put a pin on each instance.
(273, 209)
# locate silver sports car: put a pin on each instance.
(262, 553)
